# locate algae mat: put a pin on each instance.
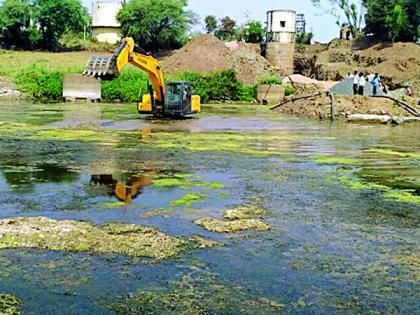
(131, 240)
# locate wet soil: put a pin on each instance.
(341, 204)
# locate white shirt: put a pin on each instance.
(356, 79)
(362, 81)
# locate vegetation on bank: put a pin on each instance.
(44, 84)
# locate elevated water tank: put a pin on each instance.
(281, 26)
(105, 27)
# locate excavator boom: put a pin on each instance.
(161, 101)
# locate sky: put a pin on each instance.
(323, 26)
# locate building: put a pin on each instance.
(346, 33)
(105, 27)
(300, 24)
(281, 26)
(280, 39)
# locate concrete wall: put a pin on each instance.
(111, 35)
(281, 55)
(76, 86)
(270, 94)
(281, 26)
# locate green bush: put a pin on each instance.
(270, 80)
(288, 90)
(128, 87)
(247, 93)
(219, 86)
(41, 83)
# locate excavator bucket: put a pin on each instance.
(101, 67)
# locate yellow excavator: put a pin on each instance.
(164, 98)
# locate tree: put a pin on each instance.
(56, 17)
(211, 24)
(156, 24)
(254, 32)
(227, 29)
(304, 38)
(379, 10)
(395, 21)
(15, 17)
(353, 12)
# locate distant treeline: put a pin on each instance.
(165, 24)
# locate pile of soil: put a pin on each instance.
(398, 64)
(319, 107)
(206, 54)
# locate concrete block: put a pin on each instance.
(78, 87)
(270, 93)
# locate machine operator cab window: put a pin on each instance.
(178, 97)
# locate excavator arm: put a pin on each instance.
(108, 68)
(166, 99)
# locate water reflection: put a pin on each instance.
(124, 191)
(18, 175)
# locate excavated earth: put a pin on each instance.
(206, 54)
(398, 64)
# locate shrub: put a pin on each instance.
(247, 93)
(270, 80)
(219, 86)
(41, 83)
(288, 90)
(128, 87)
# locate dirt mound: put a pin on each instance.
(398, 64)
(206, 54)
(319, 107)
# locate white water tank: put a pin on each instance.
(105, 27)
(281, 26)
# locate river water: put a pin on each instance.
(343, 203)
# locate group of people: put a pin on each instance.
(360, 80)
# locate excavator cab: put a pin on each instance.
(178, 101)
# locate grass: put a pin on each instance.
(14, 61)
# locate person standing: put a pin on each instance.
(362, 84)
(376, 82)
(355, 83)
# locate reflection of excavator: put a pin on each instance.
(125, 192)
(163, 99)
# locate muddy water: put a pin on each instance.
(343, 202)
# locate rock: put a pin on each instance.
(383, 119)
(402, 120)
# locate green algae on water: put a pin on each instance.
(10, 305)
(219, 226)
(189, 199)
(127, 239)
(197, 294)
(388, 193)
(184, 181)
(412, 155)
(402, 196)
(336, 160)
(250, 211)
(241, 218)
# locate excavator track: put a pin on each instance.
(101, 67)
